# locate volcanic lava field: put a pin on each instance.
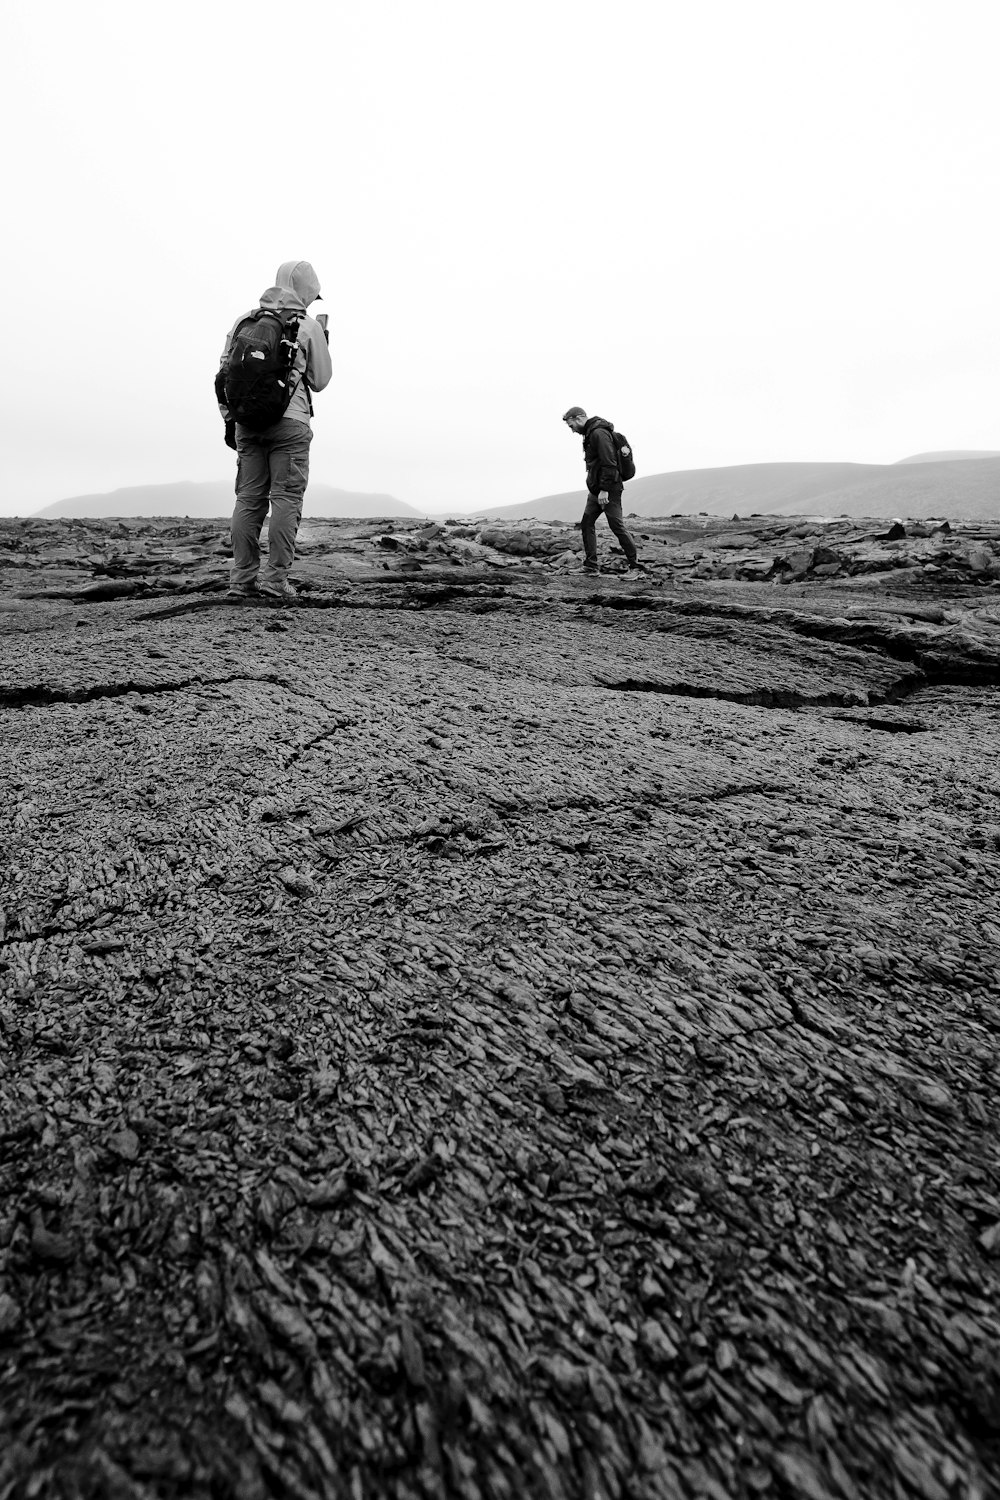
(484, 1031)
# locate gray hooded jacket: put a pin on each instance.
(296, 286)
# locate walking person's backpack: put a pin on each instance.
(623, 453)
(258, 378)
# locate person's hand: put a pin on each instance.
(230, 434)
(602, 498)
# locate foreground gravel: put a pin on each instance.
(509, 1036)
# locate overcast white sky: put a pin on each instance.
(744, 230)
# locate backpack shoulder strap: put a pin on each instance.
(291, 328)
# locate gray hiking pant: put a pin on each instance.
(272, 469)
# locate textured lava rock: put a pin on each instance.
(503, 1033)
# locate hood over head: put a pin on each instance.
(299, 277)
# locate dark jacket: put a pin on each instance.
(601, 459)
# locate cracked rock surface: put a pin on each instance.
(487, 1032)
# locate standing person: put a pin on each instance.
(268, 423)
(604, 487)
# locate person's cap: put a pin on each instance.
(574, 411)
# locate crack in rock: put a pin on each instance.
(299, 751)
(755, 698)
(43, 695)
(887, 726)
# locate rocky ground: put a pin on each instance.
(489, 1032)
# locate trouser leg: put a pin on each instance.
(252, 486)
(289, 463)
(588, 529)
(613, 511)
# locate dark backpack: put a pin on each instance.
(623, 453)
(257, 380)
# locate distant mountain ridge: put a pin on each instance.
(963, 485)
(965, 488)
(215, 498)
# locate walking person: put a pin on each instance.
(274, 358)
(604, 487)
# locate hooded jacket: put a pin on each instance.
(600, 457)
(296, 285)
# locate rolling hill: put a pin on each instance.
(959, 485)
(956, 488)
(215, 498)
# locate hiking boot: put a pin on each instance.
(284, 591)
(242, 591)
(590, 568)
